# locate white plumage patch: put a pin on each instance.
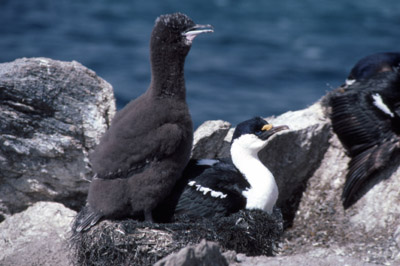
(263, 191)
(247, 144)
(350, 82)
(378, 102)
(205, 190)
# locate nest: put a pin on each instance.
(130, 242)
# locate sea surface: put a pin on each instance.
(264, 58)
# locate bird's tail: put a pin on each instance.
(362, 167)
(85, 219)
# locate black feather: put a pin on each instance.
(221, 177)
(369, 135)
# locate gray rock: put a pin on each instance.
(204, 253)
(294, 155)
(209, 140)
(316, 257)
(36, 236)
(53, 114)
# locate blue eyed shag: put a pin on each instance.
(143, 153)
(217, 188)
(365, 116)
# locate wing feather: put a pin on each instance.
(367, 133)
(215, 192)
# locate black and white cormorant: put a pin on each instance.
(143, 153)
(217, 188)
(370, 65)
(365, 116)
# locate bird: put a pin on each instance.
(365, 116)
(219, 187)
(148, 144)
(372, 64)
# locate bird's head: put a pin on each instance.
(371, 65)
(252, 135)
(176, 32)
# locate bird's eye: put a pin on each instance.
(258, 132)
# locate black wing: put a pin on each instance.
(362, 167)
(365, 131)
(213, 190)
(354, 120)
(165, 210)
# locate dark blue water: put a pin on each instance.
(265, 57)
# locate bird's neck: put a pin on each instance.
(263, 191)
(168, 79)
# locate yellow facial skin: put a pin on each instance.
(267, 127)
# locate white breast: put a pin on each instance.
(263, 192)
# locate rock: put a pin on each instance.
(316, 257)
(293, 156)
(209, 140)
(36, 236)
(397, 236)
(204, 253)
(53, 114)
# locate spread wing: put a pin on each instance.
(364, 125)
(354, 121)
(362, 167)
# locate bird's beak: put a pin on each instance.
(269, 130)
(192, 32)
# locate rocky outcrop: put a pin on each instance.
(315, 257)
(36, 236)
(52, 115)
(367, 231)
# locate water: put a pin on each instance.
(265, 57)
